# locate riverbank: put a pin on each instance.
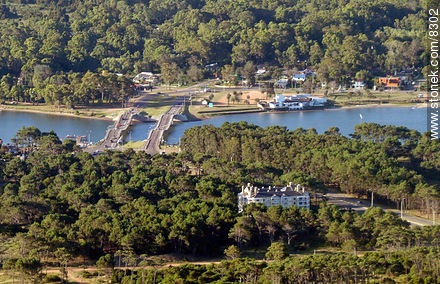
(108, 114)
(415, 105)
(193, 113)
(63, 124)
(203, 115)
(345, 118)
(244, 101)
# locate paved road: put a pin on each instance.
(164, 123)
(343, 200)
(142, 101)
(114, 133)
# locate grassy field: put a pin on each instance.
(158, 104)
(104, 112)
(169, 149)
(221, 105)
(134, 145)
(139, 144)
(203, 112)
(345, 99)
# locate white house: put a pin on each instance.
(359, 85)
(282, 83)
(302, 75)
(299, 77)
(260, 71)
(296, 102)
(146, 77)
(318, 102)
(285, 196)
(205, 102)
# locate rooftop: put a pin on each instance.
(289, 190)
(278, 191)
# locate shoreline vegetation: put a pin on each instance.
(232, 100)
(108, 114)
(242, 110)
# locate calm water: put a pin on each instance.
(321, 120)
(139, 132)
(11, 121)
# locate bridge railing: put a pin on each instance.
(160, 121)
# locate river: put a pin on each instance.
(11, 121)
(321, 120)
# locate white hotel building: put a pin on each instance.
(285, 196)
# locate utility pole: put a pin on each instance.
(372, 199)
(401, 208)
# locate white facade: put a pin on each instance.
(146, 77)
(316, 101)
(260, 71)
(296, 102)
(282, 83)
(285, 196)
(358, 85)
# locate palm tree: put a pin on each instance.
(236, 97)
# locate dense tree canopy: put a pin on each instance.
(60, 203)
(407, 266)
(395, 163)
(45, 43)
(132, 203)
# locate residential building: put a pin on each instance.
(212, 66)
(389, 82)
(296, 102)
(302, 75)
(289, 195)
(299, 77)
(146, 77)
(282, 83)
(205, 102)
(359, 85)
(260, 71)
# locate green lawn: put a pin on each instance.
(95, 111)
(158, 104)
(374, 98)
(202, 111)
(134, 145)
(220, 105)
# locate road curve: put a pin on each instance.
(343, 200)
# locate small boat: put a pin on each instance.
(360, 115)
